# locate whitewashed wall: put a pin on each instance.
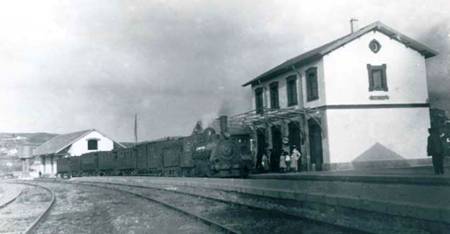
(81, 146)
(353, 131)
(346, 75)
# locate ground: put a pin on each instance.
(383, 201)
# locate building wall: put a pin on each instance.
(346, 74)
(80, 146)
(47, 166)
(343, 79)
(351, 132)
(282, 89)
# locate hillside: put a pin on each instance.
(11, 145)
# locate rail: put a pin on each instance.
(207, 221)
(32, 227)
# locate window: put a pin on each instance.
(291, 90)
(312, 87)
(374, 46)
(259, 101)
(274, 102)
(92, 144)
(377, 78)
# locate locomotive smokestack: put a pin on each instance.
(223, 121)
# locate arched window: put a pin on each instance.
(312, 86)
(291, 86)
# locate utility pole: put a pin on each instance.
(135, 129)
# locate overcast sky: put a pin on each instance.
(72, 65)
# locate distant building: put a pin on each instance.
(360, 98)
(70, 145)
(25, 154)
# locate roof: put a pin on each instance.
(319, 52)
(60, 142)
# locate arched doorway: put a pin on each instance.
(294, 135)
(295, 140)
(277, 147)
(260, 146)
(315, 144)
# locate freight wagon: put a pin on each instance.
(204, 153)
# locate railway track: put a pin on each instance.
(58, 221)
(31, 226)
(228, 216)
(11, 200)
(209, 222)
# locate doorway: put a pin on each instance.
(294, 135)
(277, 147)
(315, 144)
(260, 147)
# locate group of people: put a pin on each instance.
(293, 161)
(288, 161)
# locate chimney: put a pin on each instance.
(223, 121)
(353, 25)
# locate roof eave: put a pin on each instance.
(283, 69)
(388, 31)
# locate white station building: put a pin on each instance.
(361, 99)
(70, 145)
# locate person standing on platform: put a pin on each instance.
(283, 162)
(265, 163)
(287, 158)
(296, 159)
(435, 149)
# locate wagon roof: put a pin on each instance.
(319, 52)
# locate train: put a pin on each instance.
(205, 153)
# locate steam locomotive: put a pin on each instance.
(203, 154)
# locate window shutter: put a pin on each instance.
(369, 70)
(294, 92)
(385, 87)
(291, 82)
(312, 84)
(259, 101)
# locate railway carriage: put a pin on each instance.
(125, 161)
(204, 153)
(75, 166)
(106, 163)
(142, 159)
(63, 166)
(89, 163)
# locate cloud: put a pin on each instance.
(71, 65)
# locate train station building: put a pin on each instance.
(358, 101)
(70, 145)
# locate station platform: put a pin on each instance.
(412, 175)
(416, 197)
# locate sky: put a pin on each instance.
(71, 65)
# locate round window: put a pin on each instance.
(374, 46)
